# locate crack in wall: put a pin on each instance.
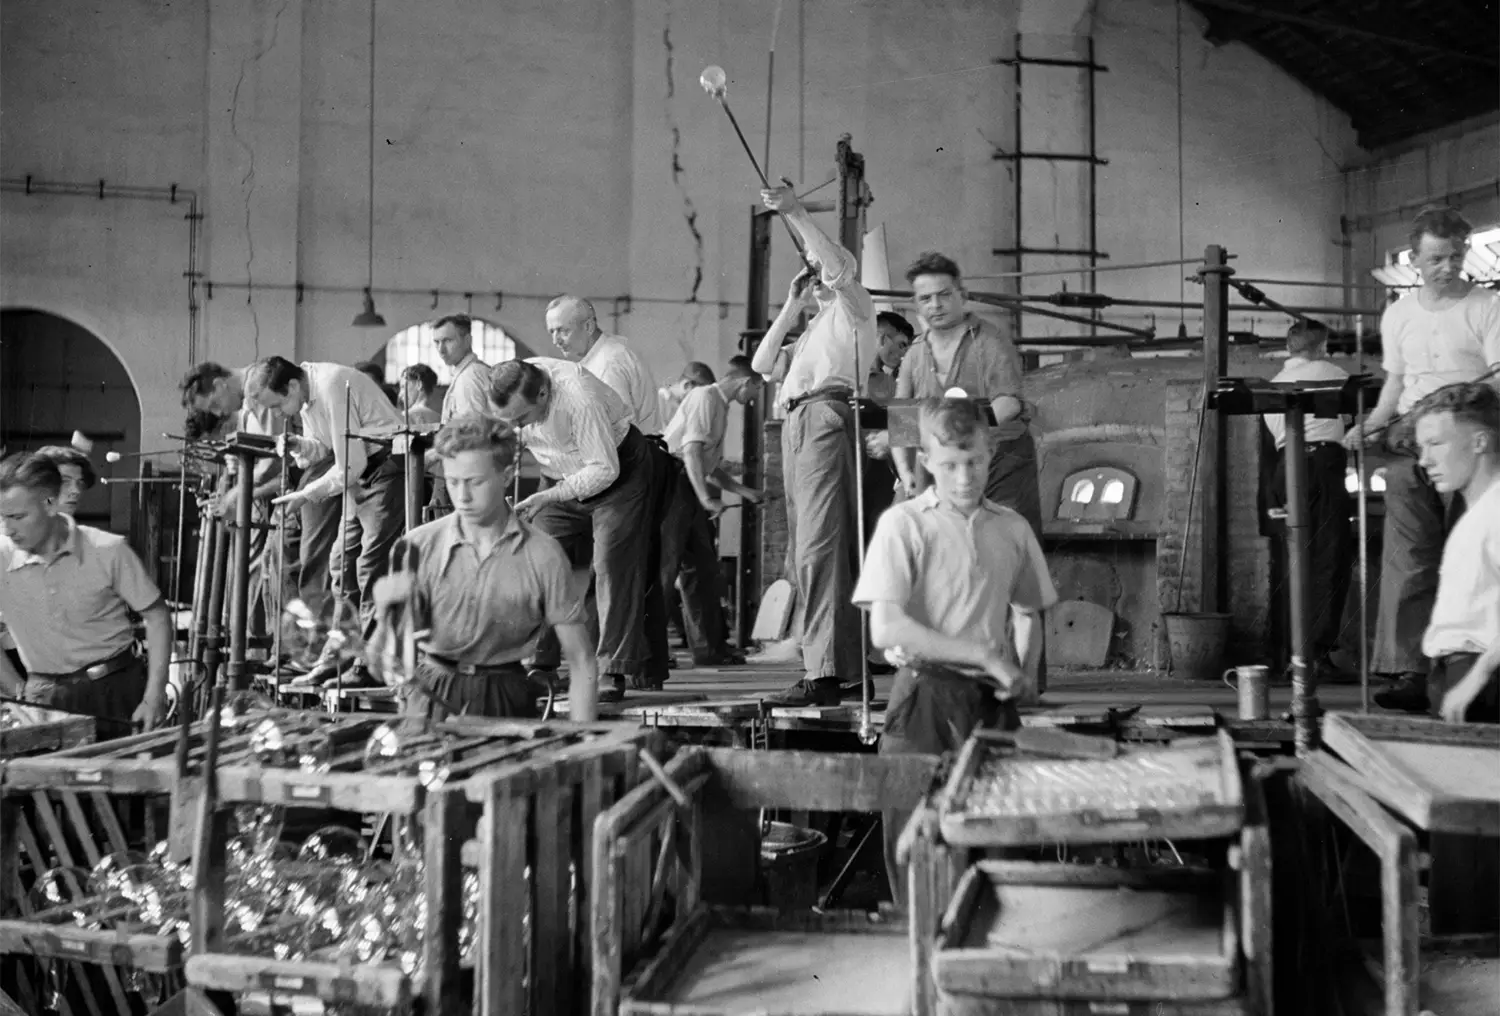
(689, 210)
(247, 182)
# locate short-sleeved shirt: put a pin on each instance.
(957, 575)
(1466, 613)
(1316, 428)
(72, 610)
(469, 391)
(578, 442)
(488, 611)
(840, 342)
(985, 365)
(612, 361)
(1432, 349)
(703, 417)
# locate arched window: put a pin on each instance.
(1083, 492)
(416, 345)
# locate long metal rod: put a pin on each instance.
(1134, 266)
(1091, 74)
(239, 603)
(343, 534)
(1363, 523)
(370, 194)
(1304, 689)
(724, 104)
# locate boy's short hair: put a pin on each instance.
(699, 373)
(954, 423)
(1305, 336)
(422, 375)
(739, 366)
(1471, 402)
(897, 321)
(930, 262)
(66, 455)
(30, 470)
(1442, 222)
(198, 383)
(474, 433)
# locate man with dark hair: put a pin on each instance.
(575, 331)
(955, 585)
(77, 475)
(1446, 332)
(485, 586)
(1457, 431)
(376, 373)
(468, 391)
(1331, 543)
(335, 403)
(689, 542)
(418, 382)
(830, 362)
(67, 592)
(580, 433)
(896, 336)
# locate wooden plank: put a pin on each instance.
(444, 832)
(590, 802)
(606, 901)
(504, 899)
(1255, 896)
(384, 986)
(549, 925)
(83, 832)
(104, 812)
(820, 781)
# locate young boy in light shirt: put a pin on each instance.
(955, 584)
(1458, 441)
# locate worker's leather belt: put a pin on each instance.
(473, 669)
(839, 394)
(108, 668)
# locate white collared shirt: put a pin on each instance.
(702, 418)
(1317, 428)
(1466, 613)
(578, 442)
(612, 361)
(369, 413)
(469, 391)
(841, 343)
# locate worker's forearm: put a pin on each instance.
(906, 465)
(1385, 408)
(692, 461)
(583, 672)
(824, 249)
(11, 682)
(158, 622)
(724, 481)
(1005, 407)
(1028, 646)
(890, 626)
(769, 349)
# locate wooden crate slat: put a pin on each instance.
(104, 809)
(504, 899)
(81, 828)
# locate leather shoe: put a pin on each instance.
(1408, 695)
(612, 688)
(822, 692)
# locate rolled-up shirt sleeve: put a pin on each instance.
(129, 578)
(597, 448)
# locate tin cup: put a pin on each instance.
(1254, 687)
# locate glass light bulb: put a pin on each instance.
(714, 80)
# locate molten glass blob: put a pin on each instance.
(714, 80)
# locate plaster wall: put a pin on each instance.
(529, 148)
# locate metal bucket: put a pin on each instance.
(789, 865)
(1197, 644)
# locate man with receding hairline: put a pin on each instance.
(1446, 332)
(575, 331)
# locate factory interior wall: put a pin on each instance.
(1458, 166)
(541, 147)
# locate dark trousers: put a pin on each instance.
(440, 691)
(377, 512)
(319, 534)
(1451, 669)
(111, 699)
(1012, 479)
(933, 711)
(690, 557)
(818, 451)
(1330, 541)
(617, 523)
(1417, 521)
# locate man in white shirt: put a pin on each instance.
(830, 361)
(418, 382)
(1444, 333)
(366, 480)
(582, 435)
(689, 539)
(575, 331)
(669, 396)
(468, 390)
(1458, 441)
(1331, 539)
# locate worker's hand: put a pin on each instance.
(878, 444)
(393, 590)
(753, 494)
(148, 715)
(1362, 436)
(528, 507)
(781, 199)
(224, 504)
(713, 506)
(1462, 695)
(296, 445)
(910, 487)
(1006, 674)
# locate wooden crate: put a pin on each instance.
(1017, 929)
(1441, 777)
(698, 859)
(934, 868)
(1202, 797)
(521, 752)
(954, 1006)
(43, 730)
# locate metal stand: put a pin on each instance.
(1254, 396)
(416, 476)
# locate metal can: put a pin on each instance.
(1253, 683)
